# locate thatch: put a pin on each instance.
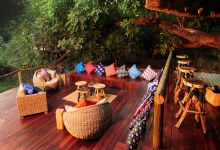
(186, 8)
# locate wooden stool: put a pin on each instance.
(80, 84)
(182, 56)
(181, 63)
(90, 85)
(99, 90)
(196, 86)
(59, 119)
(184, 73)
(82, 93)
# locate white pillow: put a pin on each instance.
(102, 101)
(70, 108)
(21, 91)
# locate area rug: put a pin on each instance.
(73, 97)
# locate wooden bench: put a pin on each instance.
(112, 81)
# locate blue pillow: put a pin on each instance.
(100, 70)
(134, 72)
(80, 67)
(28, 88)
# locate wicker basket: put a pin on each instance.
(32, 104)
(88, 122)
(212, 97)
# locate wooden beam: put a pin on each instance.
(193, 36)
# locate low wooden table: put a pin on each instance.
(195, 85)
(82, 93)
(99, 90)
(90, 85)
(80, 84)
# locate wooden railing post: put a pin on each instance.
(20, 76)
(159, 100)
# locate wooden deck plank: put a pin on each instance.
(39, 131)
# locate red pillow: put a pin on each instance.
(89, 67)
(84, 104)
(110, 70)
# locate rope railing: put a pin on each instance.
(36, 67)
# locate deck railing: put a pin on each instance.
(160, 97)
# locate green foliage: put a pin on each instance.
(87, 28)
(167, 42)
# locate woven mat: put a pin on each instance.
(72, 97)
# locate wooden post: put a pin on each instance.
(59, 119)
(20, 76)
(159, 99)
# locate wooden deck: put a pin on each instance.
(39, 131)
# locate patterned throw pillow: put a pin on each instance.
(80, 68)
(89, 67)
(149, 73)
(100, 69)
(158, 76)
(122, 72)
(134, 72)
(110, 70)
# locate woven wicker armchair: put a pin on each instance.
(88, 122)
(32, 104)
(46, 85)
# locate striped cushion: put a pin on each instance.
(110, 70)
(100, 69)
(134, 72)
(89, 67)
(80, 67)
(149, 73)
(122, 72)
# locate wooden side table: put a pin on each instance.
(90, 85)
(99, 90)
(80, 84)
(82, 93)
(196, 86)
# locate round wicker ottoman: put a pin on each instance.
(88, 122)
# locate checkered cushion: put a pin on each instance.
(110, 70)
(134, 72)
(100, 69)
(122, 72)
(149, 73)
(89, 67)
(80, 67)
